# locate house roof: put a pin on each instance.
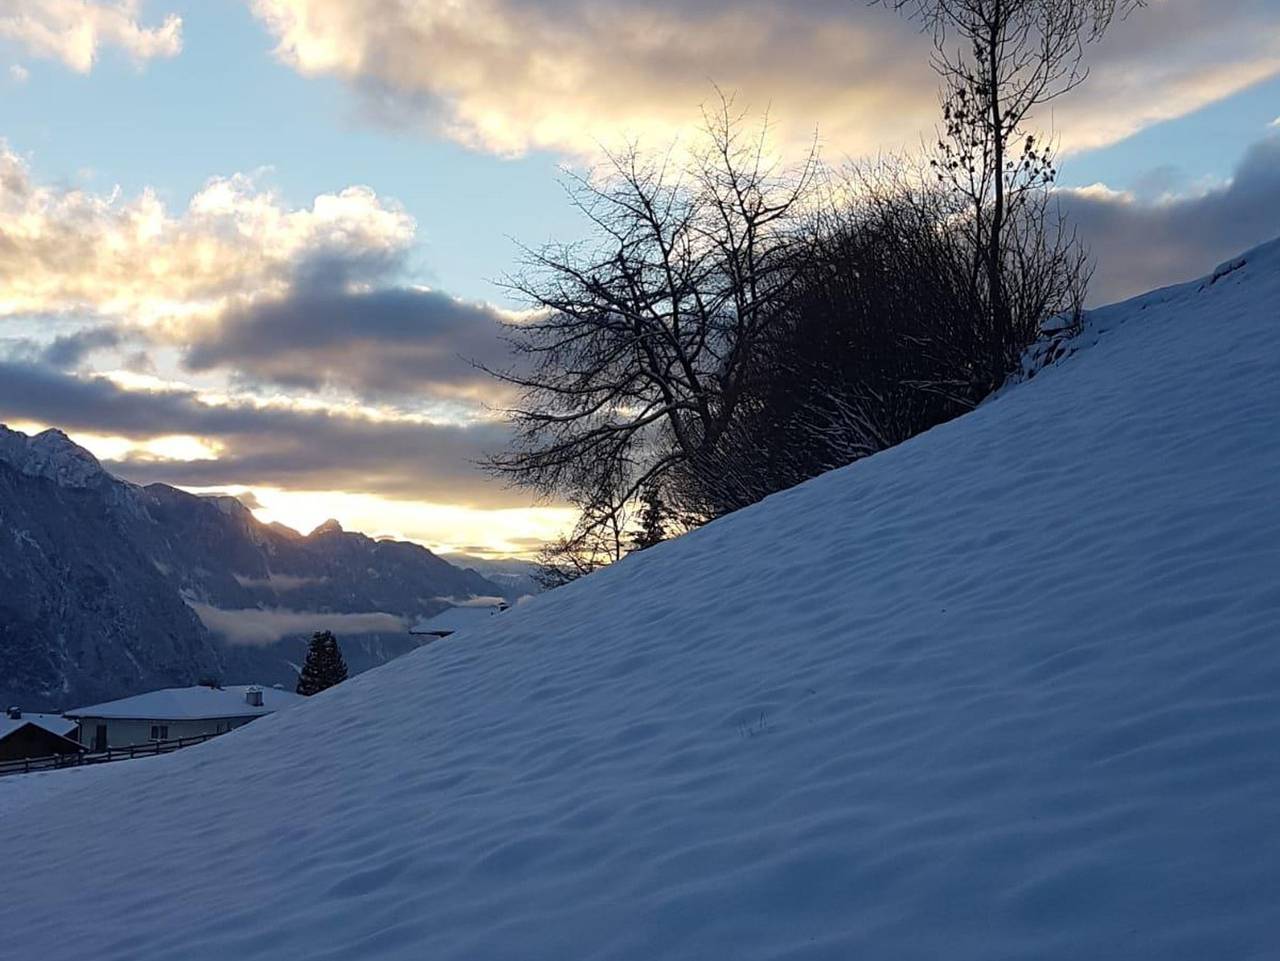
(56, 723)
(455, 619)
(191, 703)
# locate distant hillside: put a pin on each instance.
(107, 588)
(514, 575)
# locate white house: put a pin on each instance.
(176, 712)
(456, 619)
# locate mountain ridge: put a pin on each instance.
(182, 586)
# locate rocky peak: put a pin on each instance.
(330, 526)
(228, 504)
(51, 454)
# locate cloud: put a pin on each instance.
(511, 76)
(473, 600)
(239, 283)
(244, 288)
(68, 350)
(288, 447)
(19, 74)
(65, 251)
(1140, 245)
(278, 582)
(74, 31)
(253, 627)
(387, 342)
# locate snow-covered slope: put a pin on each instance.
(1010, 690)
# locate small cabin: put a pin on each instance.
(25, 735)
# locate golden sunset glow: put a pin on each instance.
(444, 528)
(171, 447)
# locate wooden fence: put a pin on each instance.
(25, 765)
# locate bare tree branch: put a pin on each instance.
(641, 338)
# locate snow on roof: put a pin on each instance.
(273, 698)
(191, 703)
(50, 722)
(1007, 690)
(456, 619)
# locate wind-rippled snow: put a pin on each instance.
(1009, 690)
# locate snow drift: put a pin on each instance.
(1010, 690)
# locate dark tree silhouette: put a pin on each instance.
(653, 520)
(642, 339)
(734, 328)
(596, 541)
(1011, 57)
(324, 666)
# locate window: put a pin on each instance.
(159, 732)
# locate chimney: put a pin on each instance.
(15, 713)
(253, 697)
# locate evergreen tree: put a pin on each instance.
(324, 666)
(653, 522)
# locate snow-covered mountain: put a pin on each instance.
(514, 574)
(108, 589)
(1010, 690)
(53, 456)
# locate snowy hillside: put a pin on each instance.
(1020, 699)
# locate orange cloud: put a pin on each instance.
(566, 75)
(74, 250)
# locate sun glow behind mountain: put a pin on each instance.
(108, 447)
(442, 527)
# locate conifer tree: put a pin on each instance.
(653, 522)
(324, 666)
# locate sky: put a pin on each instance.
(258, 246)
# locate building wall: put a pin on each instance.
(131, 731)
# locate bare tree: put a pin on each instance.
(597, 540)
(879, 340)
(640, 340)
(1012, 57)
(884, 334)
